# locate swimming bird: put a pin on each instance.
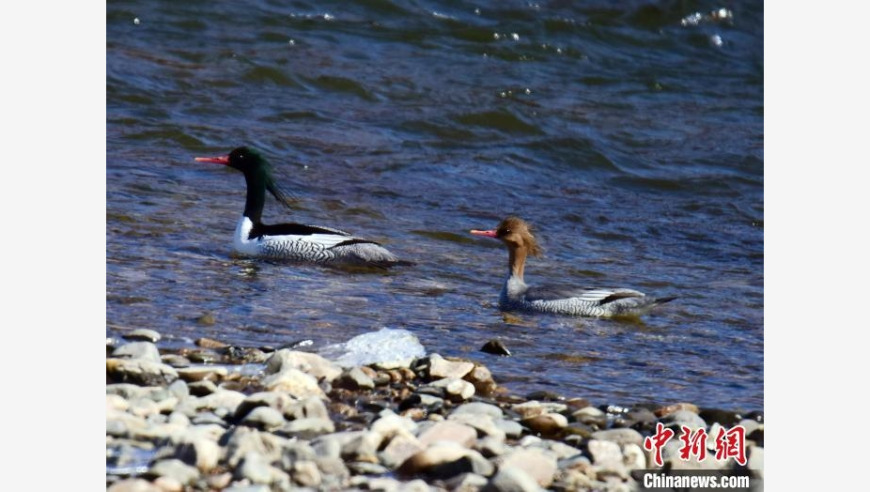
(295, 242)
(517, 296)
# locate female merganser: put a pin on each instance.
(516, 295)
(295, 242)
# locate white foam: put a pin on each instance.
(389, 347)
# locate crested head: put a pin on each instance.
(246, 160)
(516, 232)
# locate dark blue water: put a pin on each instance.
(630, 135)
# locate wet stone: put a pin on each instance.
(175, 360)
(667, 410)
(686, 418)
(619, 436)
(265, 418)
(481, 378)
(455, 389)
(723, 417)
(496, 347)
(175, 469)
(440, 368)
(210, 343)
(547, 424)
(140, 371)
(311, 364)
(448, 431)
(538, 464)
(478, 408)
(512, 480)
(202, 388)
(355, 379)
(138, 350)
(466, 482)
(143, 335)
(203, 357)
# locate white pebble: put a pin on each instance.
(136, 21)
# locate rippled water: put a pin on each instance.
(630, 135)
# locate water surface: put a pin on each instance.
(630, 135)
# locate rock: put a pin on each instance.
(544, 395)
(307, 408)
(133, 485)
(220, 481)
(466, 482)
(511, 480)
(140, 371)
(399, 449)
(306, 474)
(210, 343)
(281, 402)
(179, 389)
(201, 388)
(366, 468)
(633, 457)
(422, 401)
(248, 488)
(511, 428)
(264, 418)
(455, 389)
(440, 368)
(255, 468)
(309, 363)
(393, 425)
(200, 373)
(294, 382)
(619, 436)
(490, 447)
(175, 469)
(496, 347)
(481, 379)
(243, 440)
(307, 428)
(723, 417)
(448, 431)
(478, 408)
(355, 379)
(538, 464)
(445, 459)
(604, 452)
(138, 350)
(575, 404)
(667, 410)
(362, 447)
(578, 429)
(680, 418)
(592, 417)
(528, 409)
(484, 425)
(199, 452)
(548, 424)
(143, 335)
(755, 461)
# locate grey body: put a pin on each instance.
(600, 303)
(333, 247)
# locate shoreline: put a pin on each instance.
(220, 417)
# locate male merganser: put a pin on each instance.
(516, 295)
(295, 242)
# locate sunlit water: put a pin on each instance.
(631, 137)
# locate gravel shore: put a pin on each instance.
(219, 417)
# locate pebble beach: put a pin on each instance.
(215, 416)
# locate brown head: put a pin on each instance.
(515, 233)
